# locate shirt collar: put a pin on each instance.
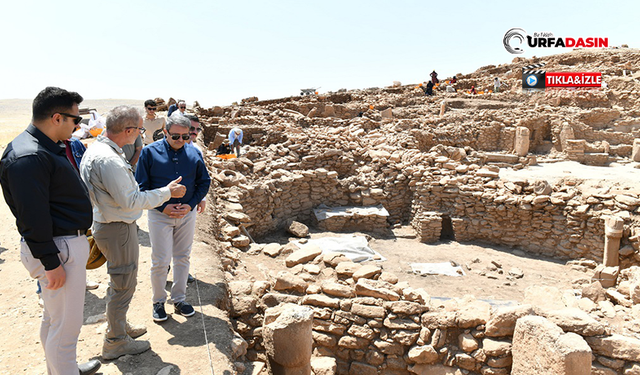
(112, 144)
(45, 141)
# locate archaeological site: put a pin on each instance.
(344, 228)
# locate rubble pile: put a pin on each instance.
(434, 162)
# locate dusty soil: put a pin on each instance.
(482, 278)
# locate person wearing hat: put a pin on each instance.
(53, 212)
(235, 140)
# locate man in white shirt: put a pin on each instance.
(117, 204)
(235, 140)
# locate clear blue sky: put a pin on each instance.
(218, 52)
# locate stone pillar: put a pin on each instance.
(522, 141)
(613, 227)
(566, 134)
(636, 150)
(288, 339)
(443, 108)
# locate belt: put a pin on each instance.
(79, 232)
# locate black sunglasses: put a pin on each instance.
(151, 108)
(76, 119)
(193, 129)
(175, 137)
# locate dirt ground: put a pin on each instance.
(482, 278)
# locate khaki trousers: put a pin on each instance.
(62, 316)
(118, 242)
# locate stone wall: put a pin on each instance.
(373, 324)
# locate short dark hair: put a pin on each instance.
(193, 118)
(150, 102)
(52, 100)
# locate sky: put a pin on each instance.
(219, 52)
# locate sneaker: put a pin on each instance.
(184, 309)
(159, 315)
(116, 349)
(190, 278)
(136, 330)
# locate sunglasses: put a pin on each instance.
(76, 119)
(175, 137)
(151, 108)
(183, 107)
(193, 129)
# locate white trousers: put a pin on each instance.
(170, 238)
(62, 317)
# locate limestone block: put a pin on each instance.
(241, 241)
(368, 311)
(359, 368)
(337, 290)
(496, 348)
(377, 289)
(467, 342)
(273, 249)
(424, 354)
(616, 346)
(346, 269)
(607, 276)
(390, 348)
(406, 307)
(367, 271)
(594, 292)
(324, 366)
(540, 347)
(289, 282)
(335, 258)
(473, 312)
(503, 320)
(575, 320)
(321, 300)
(303, 255)
(298, 229)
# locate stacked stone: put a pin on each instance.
(428, 226)
(373, 324)
(354, 223)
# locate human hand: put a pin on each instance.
(176, 210)
(177, 190)
(201, 206)
(56, 278)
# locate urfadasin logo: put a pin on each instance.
(517, 36)
(512, 35)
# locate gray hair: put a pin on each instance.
(122, 117)
(177, 119)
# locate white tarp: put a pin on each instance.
(323, 212)
(444, 268)
(355, 248)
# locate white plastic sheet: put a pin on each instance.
(355, 248)
(444, 268)
(323, 212)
